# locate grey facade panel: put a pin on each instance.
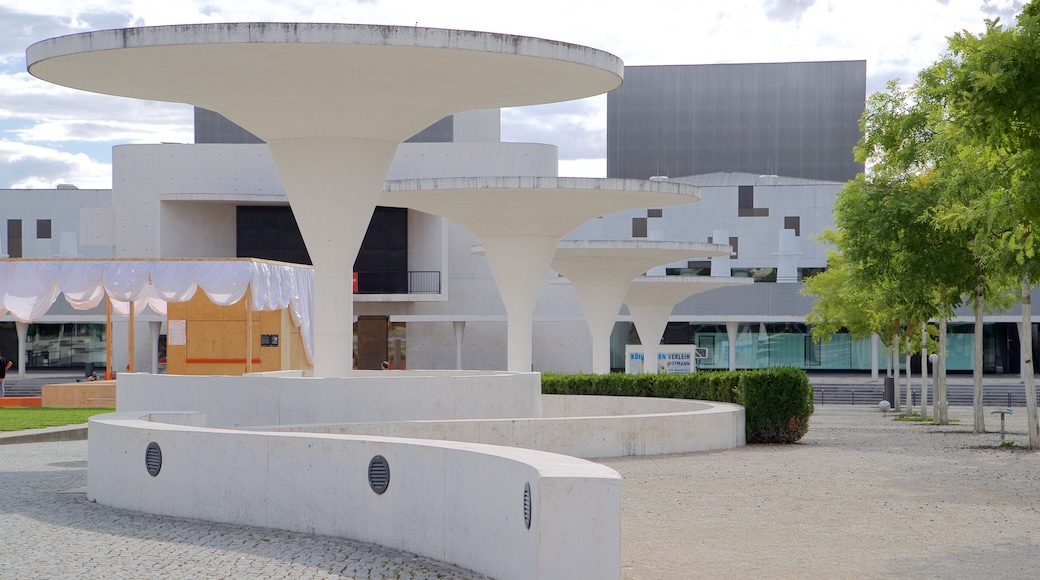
(789, 119)
(442, 131)
(211, 127)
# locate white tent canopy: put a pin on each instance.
(28, 288)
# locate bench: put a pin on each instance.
(1003, 412)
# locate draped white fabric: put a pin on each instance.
(29, 288)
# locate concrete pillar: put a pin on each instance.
(600, 302)
(650, 321)
(154, 326)
(732, 327)
(787, 258)
(332, 184)
(720, 265)
(22, 328)
(519, 265)
(459, 326)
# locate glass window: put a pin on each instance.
(43, 229)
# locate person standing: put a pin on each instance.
(4, 366)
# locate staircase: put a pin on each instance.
(961, 394)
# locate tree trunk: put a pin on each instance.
(941, 405)
(924, 371)
(1027, 363)
(980, 413)
(909, 382)
(895, 370)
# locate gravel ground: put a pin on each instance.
(861, 496)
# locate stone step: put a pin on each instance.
(1005, 395)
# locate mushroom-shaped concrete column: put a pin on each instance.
(332, 101)
(519, 221)
(601, 270)
(650, 300)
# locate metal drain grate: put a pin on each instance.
(378, 474)
(153, 459)
(527, 505)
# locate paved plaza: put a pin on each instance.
(49, 530)
(862, 496)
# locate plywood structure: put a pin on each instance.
(83, 394)
(214, 341)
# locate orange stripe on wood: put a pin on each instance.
(219, 361)
(21, 402)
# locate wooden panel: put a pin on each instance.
(372, 334)
(84, 394)
(216, 339)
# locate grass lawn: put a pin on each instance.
(19, 418)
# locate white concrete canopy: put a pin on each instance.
(332, 101)
(600, 271)
(520, 221)
(650, 300)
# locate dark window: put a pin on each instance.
(793, 223)
(14, 238)
(43, 229)
(651, 213)
(271, 233)
(745, 200)
(746, 203)
(382, 263)
(638, 227)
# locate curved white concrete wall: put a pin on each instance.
(456, 502)
(583, 426)
(374, 396)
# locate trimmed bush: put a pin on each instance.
(777, 401)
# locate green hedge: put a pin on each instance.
(777, 401)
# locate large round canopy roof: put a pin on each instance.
(283, 80)
(670, 290)
(530, 206)
(625, 259)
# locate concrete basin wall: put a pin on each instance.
(462, 503)
(289, 398)
(582, 426)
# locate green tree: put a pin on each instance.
(988, 85)
(889, 249)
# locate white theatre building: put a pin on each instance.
(768, 167)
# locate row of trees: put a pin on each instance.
(948, 209)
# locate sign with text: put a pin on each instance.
(675, 359)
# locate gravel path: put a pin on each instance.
(861, 496)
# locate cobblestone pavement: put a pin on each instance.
(49, 530)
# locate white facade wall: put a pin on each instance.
(179, 200)
(63, 207)
(717, 210)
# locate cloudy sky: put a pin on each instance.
(51, 135)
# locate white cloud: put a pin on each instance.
(895, 37)
(583, 168)
(31, 166)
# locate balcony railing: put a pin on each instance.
(410, 282)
